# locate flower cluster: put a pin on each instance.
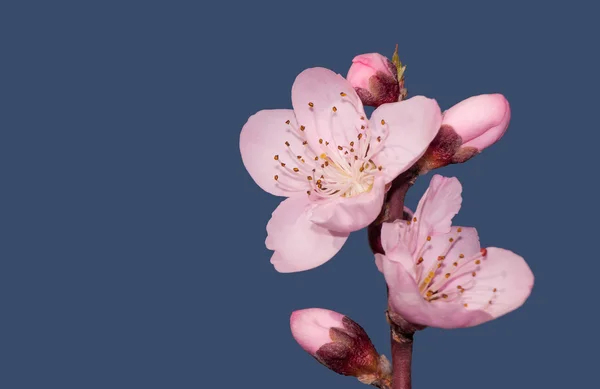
(336, 169)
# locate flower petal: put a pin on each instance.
(327, 105)
(391, 234)
(479, 120)
(464, 244)
(298, 243)
(503, 283)
(262, 138)
(408, 128)
(348, 214)
(406, 301)
(437, 207)
(402, 255)
(379, 258)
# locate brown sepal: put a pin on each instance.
(351, 353)
(464, 154)
(441, 150)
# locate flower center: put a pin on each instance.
(349, 179)
(326, 168)
(452, 277)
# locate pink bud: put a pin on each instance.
(479, 120)
(375, 79)
(310, 327)
(339, 343)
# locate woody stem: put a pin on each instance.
(401, 331)
(393, 208)
(401, 363)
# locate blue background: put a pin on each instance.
(132, 239)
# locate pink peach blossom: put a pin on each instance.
(331, 162)
(439, 276)
(479, 120)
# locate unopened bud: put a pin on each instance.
(467, 129)
(340, 344)
(480, 121)
(376, 79)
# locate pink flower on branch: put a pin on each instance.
(331, 162)
(340, 344)
(439, 276)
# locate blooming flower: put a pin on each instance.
(375, 79)
(331, 162)
(339, 343)
(439, 276)
(479, 120)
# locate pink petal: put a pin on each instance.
(379, 258)
(437, 207)
(404, 296)
(405, 299)
(408, 128)
(332, 117)
(465, 242)
(479, 120)
(298, 243)
(348, 214)
(508, 274)
(310, 327)
(401, 255)
(264, 136)
(391, 233)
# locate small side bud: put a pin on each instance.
(376, 79)
(340, 344)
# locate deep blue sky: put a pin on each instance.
(132, 239)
